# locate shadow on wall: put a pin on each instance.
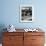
(2, 26)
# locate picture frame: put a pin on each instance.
(26, 13)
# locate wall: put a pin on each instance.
(10, 13)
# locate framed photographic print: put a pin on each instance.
(26, 13)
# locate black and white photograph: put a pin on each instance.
(26, 13)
